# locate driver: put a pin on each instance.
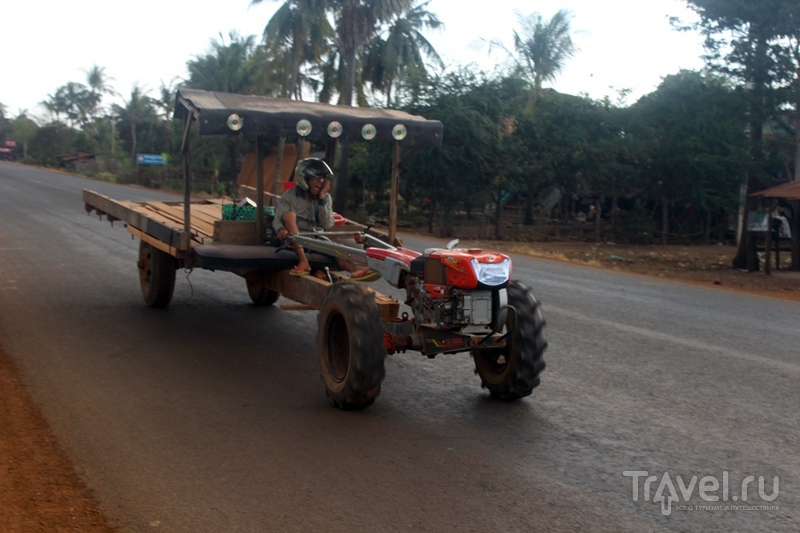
(308, 207)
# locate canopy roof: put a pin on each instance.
(224, 113)
(788, 191)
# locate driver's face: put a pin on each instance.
(315, 185)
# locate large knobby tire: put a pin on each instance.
(156, 275)
(350, 345)
(260, 295)
(513, 372)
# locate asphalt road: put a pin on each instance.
(211, 415)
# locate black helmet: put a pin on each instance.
(310, 167)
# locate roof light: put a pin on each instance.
(303, 128)
(368, 132)
(334, 129)
(235, 122)
(399, 132)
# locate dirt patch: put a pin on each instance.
(39, 488)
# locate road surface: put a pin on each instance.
(211, 415)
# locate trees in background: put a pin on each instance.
(750, 43)
(667, 167)
(543, 48)
(399, 52)
(139, 109)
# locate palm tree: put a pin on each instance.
(544, 46)
(299, 32)
(227, 67)
(97, 80)
(400, 55)
(137, 110)
(357, 23)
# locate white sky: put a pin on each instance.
(45, 44)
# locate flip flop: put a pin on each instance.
(365, 274)
(297, 272)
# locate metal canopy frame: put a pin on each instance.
(217, 113)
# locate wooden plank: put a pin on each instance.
(130, 213)
(235, 232)
(310, 290)
(210, 212)
(297, 307)
(175, 213)
(171, 221)
(171, 250)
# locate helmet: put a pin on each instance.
(311, 167)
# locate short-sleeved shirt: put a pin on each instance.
(311, 215)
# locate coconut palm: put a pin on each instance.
(137, 110)
(227, 67)
(357, 23)
(97, 80)
(299, 32)
(401, 54)
(544, 47)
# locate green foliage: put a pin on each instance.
(106, 176)
(544, 46)
(693, 128)
(51, 141)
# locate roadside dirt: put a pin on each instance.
(40, 490)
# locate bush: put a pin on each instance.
(106, 176)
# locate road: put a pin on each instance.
(211, 415)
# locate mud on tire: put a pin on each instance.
(156, 275)
(513, 372)
(350, 346)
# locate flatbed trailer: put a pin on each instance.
(459, 299)
(220, 245)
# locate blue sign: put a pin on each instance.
(151, 159)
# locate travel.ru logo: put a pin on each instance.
(709, 489)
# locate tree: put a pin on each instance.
(98, 83)
(300, 31)
(50, 141)
(229, 68)
(401, 54)
(3, 121)
(544, 47)
(692, 129)
(740, 40)
(463, 168)
(23, 130)
(73, 101)
(138, 109)
(357, 22)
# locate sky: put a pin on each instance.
(622, 44)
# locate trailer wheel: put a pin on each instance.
(513, 372)
(156, 275)
(260, 295)
(350, 345)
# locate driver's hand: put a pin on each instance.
(326, 186)
(282, 234)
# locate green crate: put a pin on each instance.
(245, 213)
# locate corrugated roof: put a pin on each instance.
(261, 115)
(787, 191)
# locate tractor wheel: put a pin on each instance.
(260, 295)
(513, 372)
(350, 344)
(156, 275)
